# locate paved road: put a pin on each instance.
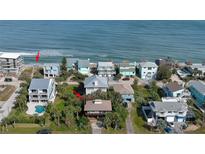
(129, 126)
(7, 105)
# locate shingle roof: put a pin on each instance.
(123, 89)
(83, 63)
(148, 64)
(174, 86)
(168, 106)
(102, 105)
(96, 81)
(198, 85)
(40, 83)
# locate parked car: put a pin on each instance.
(44, 131)
(171, 124)
(168, 130)
(8, 79)
(126, 79)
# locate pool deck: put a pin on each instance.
(32, 108)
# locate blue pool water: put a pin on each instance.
(40, 109)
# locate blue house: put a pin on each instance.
(51, 70)
(83, 66)
(127, 69)
(197, 89)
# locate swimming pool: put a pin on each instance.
(40, 109)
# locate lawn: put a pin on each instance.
(23, 128)
(26, 74)
(7, 92)
(138, 121)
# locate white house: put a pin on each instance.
(173, 89)
(148, 70)
(11, 63)
(106, 69)
(94, 83)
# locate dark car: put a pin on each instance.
(44, 131)
(126, 79)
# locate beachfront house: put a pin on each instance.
(126, 92)
(168, 111)
(94, 83)
(51, 70)
(106, 69)
(127, 69)
(197, 89)
(11, 63)
(72, 63)
(198, 66)
(147, 70)
(173, 89)
(97, 107)
(83, 66)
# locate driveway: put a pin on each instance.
(129, 126)
(96, 126)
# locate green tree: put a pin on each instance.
(64, 72)
(163, 72)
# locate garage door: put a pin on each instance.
(170, 119)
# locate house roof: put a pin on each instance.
(123, 89)
(10, 55)
(96, 81)
(71, 61)
(98, 105)
(174, 86)
(198, 85)
(39, 83)
(148, 64)
(105, 64)
(83, 63)
(131, 69)
(168, 106)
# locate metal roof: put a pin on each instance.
(96, 81)
(105, 64)
(40, 83)
(198, 85)
(148, 64)
(83, 63)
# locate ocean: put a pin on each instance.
(105, 40)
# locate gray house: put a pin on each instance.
(169, 111)
(126, 92)
(95, 83)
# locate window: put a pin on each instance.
(149, 68)
(169, 111)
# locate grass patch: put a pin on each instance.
(26, 74)
(113, 131)
(24, 128)
(138, 121)
(7, 92)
